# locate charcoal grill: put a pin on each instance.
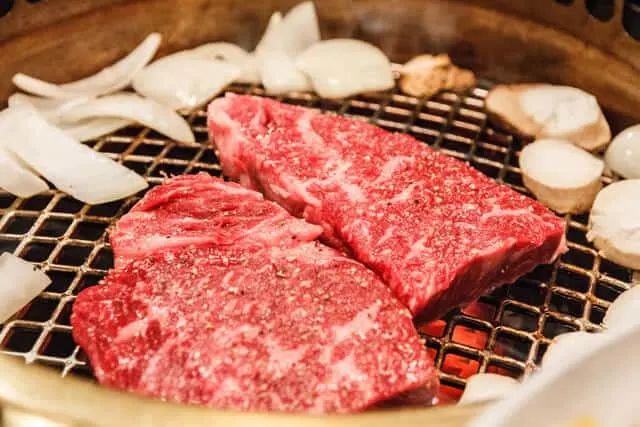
(591, 45)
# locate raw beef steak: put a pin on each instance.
(439, 232)
(267, 324)
(202, 210)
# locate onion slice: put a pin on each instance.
(598, 378)
(20, 282)
(51, 109)
(279, 74)
(278, 71)
(134, 108)
(234, 54)
(562, 176)
(300, 28)
(614, 224)
(623, 155)
(111, 79)
(182, 80)
(220, 51)
(89, 129)
(271, 39)
(343, 67)
(16, 178)
(483, 387)
(292, 34)
(74, 168)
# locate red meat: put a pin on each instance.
(241, 310)
(437, 231)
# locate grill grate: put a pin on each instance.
(506, 332)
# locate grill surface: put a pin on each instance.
(510, 328)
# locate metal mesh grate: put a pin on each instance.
(506, 332)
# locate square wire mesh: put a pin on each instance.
(506, 332)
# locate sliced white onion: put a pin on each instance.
(343, 67)
(74, 168)
(89, 129)
(20, 282)
(234, 54)
(280, 75)
(52, 109)
(623, 155)
(548, 111)
(16, 178)
(182, 80)
(271, 39)
(614, 224)
(562, 176)
(483, 387)
(624, 311)
(220, 51)
(134, 108)
(250, 71)
(278, 70)
(567, 346)
(111, 79)
(300, 27)
(598, 379)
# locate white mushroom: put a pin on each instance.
(623, 312)
(623, 155)
(343, 67)
(614, 225)
(562, 176)
(548, 111)
(483, 387)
